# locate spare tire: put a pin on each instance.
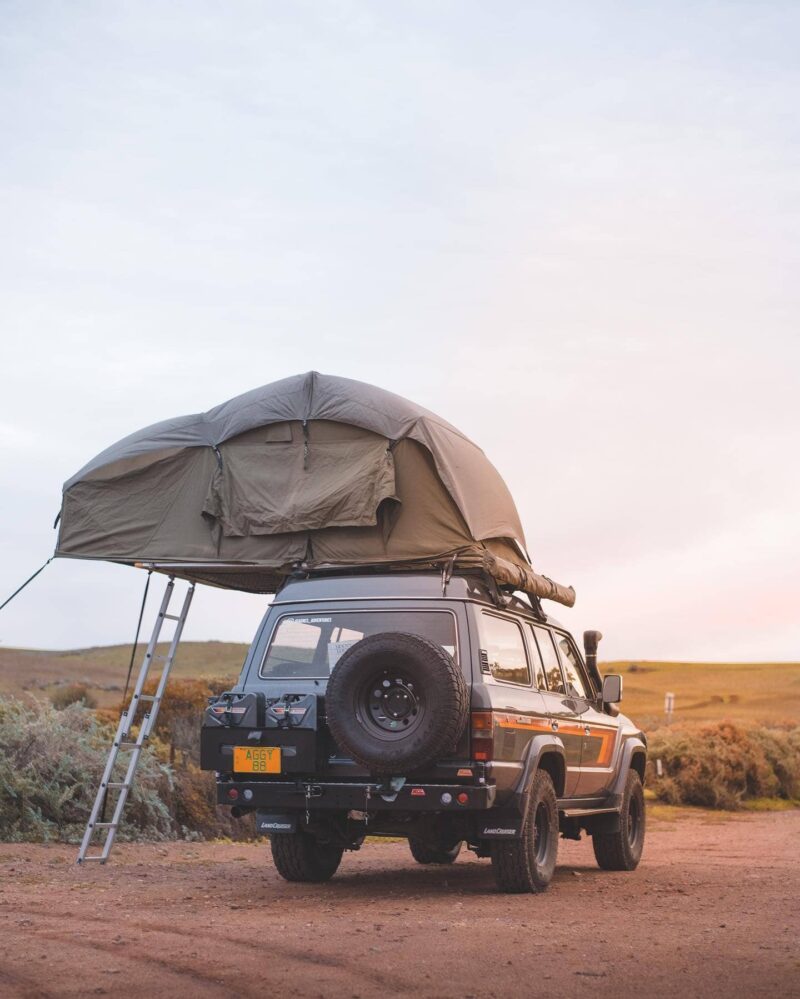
(396, 702)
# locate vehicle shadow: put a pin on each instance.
(466, 877)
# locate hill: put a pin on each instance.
(703, 691)
(103, 669)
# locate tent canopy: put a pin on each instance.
(314, 470)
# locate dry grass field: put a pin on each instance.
(703, 691)
(746, 692)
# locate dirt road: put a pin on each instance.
(714, 910)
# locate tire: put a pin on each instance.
(300, 857)
(424, 853)
(527, 864)
(396, 702)
(622, 850)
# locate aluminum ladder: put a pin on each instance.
(124, 741)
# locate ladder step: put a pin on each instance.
(129, 745)
(149, 697)
(105, 825)
(116, 783)
(83, 860)
(172, 617)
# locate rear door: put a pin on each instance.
(561, 708)
(301, 644)
(599, 730)
(517, 705)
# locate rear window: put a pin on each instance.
(309, 646)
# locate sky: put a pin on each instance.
(573, 230)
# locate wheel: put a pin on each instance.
(622, 850)
(300, 857)
(396, 702)
(425, 853)
(527, 864)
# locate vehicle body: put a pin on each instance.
(538, 752)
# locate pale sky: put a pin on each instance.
(573, 230)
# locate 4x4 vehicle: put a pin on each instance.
(438, 710)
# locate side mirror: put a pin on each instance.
(612, 688)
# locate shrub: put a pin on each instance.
(181, 714)
(720, 765)
(781, 748)
(73, 693)
(194, 801)
(50, 767)
(196, 810)
(51, 762)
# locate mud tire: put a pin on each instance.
(527, 864)
(622, 850)
(424, 853)
(298, 856)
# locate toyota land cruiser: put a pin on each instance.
(439, 710)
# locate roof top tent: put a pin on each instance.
(307, 474)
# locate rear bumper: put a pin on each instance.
(366, 796)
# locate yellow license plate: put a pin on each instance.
(257, 759)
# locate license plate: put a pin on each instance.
(257, 759)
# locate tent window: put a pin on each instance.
(277, 489)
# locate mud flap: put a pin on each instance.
(274, 822)
(500, 824)
(608, 823)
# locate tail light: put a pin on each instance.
(482, 736)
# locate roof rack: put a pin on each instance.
(501, 593)
(501, 575)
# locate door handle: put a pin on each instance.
(554, 726)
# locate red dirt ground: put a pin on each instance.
(713, 910)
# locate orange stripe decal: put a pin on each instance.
(526, 723)
(522, 722)
(607, 737)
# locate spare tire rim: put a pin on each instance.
(390, 703)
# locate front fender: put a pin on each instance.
(633, 746)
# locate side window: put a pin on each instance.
(538, 669)
(577, 684)
(552, 667)
(503, 643)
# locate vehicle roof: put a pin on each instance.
(396, 585)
